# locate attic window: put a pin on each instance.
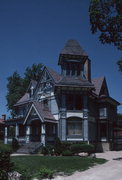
(103, 112)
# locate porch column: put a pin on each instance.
(17, 131)
(6, 135)
(27, 134)
(43, 134)
(85, 117)
(62, 122)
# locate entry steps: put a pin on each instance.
(29, 148)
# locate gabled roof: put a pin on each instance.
(56, 76)
(44, 114)
(98, 84)
(72, 47)
(61, 80)
(32, 83)
(24, 99)
(75, 81)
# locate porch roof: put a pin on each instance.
(43, 113)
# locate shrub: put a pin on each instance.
(15, 144)
(58, 146)
(67, 153)
(89, 148)
(45, 173)
(45, 151)
(5, 164)
(51, 149)
(76, 148)
(66, 146)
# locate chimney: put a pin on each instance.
(4, 116)
(87, 69)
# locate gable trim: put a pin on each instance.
(32, 106)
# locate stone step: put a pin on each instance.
(29, 148)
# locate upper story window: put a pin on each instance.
(74, 102)
(103, 112)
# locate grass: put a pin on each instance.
(68, 165)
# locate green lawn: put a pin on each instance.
(32, 164)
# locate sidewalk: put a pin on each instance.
(112, 170)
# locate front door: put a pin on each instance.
(36, 131)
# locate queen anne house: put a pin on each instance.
(69, 105)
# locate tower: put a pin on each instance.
(74, 61)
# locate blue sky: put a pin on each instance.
(35, 31)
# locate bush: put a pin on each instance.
(51, 150)
(76, 148)
(58, 146)
(89, 148)
(66, 146)
(5, 148)
(5, 164)
(45, 173)
(15, 144)
(45, 151)
(67, 153)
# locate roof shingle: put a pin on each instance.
(72, 47)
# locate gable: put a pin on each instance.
(33, 114)
(100, 86)
(104, 89)
(45, 76)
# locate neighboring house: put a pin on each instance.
(118, 133)
(2, 126)
(70, 105)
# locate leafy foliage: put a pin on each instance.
(45, 151)
(106, 17)
(5, 164)
(33, 72)
(67, 153)
(15, 90)
(17, 86)
(15, 144)
(58, 146)
(78, 148)
(45, 173)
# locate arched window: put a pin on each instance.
(74, 126)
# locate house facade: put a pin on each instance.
(70, 105)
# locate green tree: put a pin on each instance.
(14, 90)
(106, 19)
(17, 86)
(33, 72)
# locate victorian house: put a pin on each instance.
(70, 105)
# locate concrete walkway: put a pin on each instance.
(112, 170)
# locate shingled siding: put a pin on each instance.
(92, 131)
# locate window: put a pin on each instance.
(103, 112)
(70, 101)
(74, 102)
(78, 102)
(74, 127)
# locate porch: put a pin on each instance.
(35, 131)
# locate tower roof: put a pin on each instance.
(72, 47)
